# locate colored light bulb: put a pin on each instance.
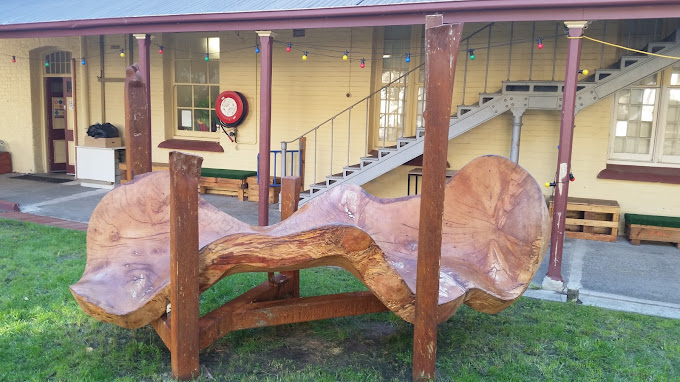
(408, 57)
(257, 48)
(345, 56)
(289, 47)
(47, 63)
(14, 59)
(304, 56)
(160, 50)
(363, 63)
(82, 61)
(207, 57)
(122, 52)
(540, 43)
(472, 54)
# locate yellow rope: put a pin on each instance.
(623, 47)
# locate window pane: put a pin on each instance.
(618, 144)
(201, 97)
(673, 114)
(183, 96)
(201, 120)
(182, 71)
(646, 129)
(622, 113)
(214, 48)
(674, 97)
(647, 81)
(624, 96)
(649, 96)
(675, 75)
(636, 96)
(199, 72)
(643, 146)
(214, 69)
(621, 128)
(214, 92)
(633, 128)
(184, 118)
(647, 113)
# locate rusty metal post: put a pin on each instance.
(441, 42)
(143, 45)
(290, 199)
(553, 280)
(137, 127)
(266, 39)
(184, 292)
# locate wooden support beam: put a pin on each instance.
(184, 287)
(441, 50)
(137, 124)
(266, 41)
(305, 309)
(290, 199)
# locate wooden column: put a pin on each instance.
(553, 279)
(137, 127)
(144, 63)
(441, 51)
(266, 40)
(290, 199)
(184, 329)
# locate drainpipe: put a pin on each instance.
(517, 113)
(553, 279)
(266, 39)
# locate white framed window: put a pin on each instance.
(646, 121)
(57, 63)
(196, 84)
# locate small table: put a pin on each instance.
(416, 173)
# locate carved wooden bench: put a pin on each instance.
(154, 241)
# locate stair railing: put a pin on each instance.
(332, 122)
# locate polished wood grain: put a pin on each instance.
(494, 233)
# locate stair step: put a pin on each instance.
(334, 178)
(401, 142)
(656, 47)
(367, 161)
(420, 132)
(601, 74)
(487, 97)
(385, 151)
(305, 194)
(351, 169)
(627, 61)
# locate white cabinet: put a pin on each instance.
(98, 166)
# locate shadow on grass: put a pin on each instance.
(45, 336)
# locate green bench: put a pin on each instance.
(224, 181)
(653, 228)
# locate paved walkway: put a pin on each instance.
(620, 276)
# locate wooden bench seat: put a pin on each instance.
(652, 228)
(213, 180)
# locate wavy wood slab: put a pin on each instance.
(495, 232)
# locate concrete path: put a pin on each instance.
(620, 276)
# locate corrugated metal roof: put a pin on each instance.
(40, 11)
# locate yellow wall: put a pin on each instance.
(307, 93)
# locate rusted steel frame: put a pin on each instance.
(290, 199)
(441, 50)
(305, 309)
(143, 45)
(137, 124)
(218, 322)
(184, 289)
(564, 155)
(266, 40)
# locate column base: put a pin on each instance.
(553, 285)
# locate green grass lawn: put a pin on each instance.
(45, 336)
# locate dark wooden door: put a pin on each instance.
(57, 147)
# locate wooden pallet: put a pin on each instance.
(254, 190)
(591, 219)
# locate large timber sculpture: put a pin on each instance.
(154, 245)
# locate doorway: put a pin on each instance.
(59, 107)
